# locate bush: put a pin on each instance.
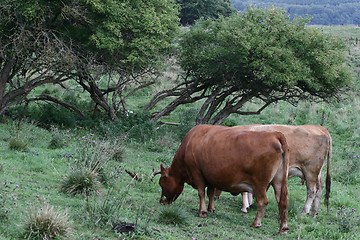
(187, 122)
(47, 223)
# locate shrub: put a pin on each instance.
(47, 223)
(187, 122)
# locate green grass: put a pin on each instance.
(27, 178)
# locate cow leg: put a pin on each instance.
(277, 189)
(245, 202)
(217, 193)
(202, 210)
(316, 204)
(262, 202)
(311, 191)
(211, 195)
(250, 197)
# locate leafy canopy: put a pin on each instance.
(263, 49)
(192, 10)
(43, 41)
(261, 54)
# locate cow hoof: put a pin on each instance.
(282, 231)
(202, 214)
(255, 226)
(304, 213)
(314, 215)
(212, 211)
(285, 228)
(243, 211)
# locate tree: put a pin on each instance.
(260, 54)
(192, 10)
(102, 45)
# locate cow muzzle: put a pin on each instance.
(164, 200)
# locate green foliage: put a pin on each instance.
(192, 10)
(263, 50)
(49, 114)
(260, 54)
(63, 41)
(187, 122)
(47, 223)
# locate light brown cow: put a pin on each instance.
(309, 146)
(231, 160)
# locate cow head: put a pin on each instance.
(170, 185)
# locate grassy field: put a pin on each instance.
(37, 163)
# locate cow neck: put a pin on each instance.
(178, 171)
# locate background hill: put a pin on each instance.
(325, 12)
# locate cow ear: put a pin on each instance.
(163, 171)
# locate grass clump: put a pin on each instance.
(103, 209)
(88, 164)
(59, 139)
(173, 215)
(16, 144)
(81, 181)
(47, 223)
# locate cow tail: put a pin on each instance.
(284, 200)
(328, 177)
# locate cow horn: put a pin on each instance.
(154, 173)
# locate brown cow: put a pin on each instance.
(231, 160)
(309, 146)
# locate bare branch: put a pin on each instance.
(45, 97)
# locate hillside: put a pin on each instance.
(327, 12)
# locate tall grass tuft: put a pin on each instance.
(17, 144)
(173, 215)
(47, 223)
(81, 180)
(88, 164)
(59, 139)
(103, 210)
